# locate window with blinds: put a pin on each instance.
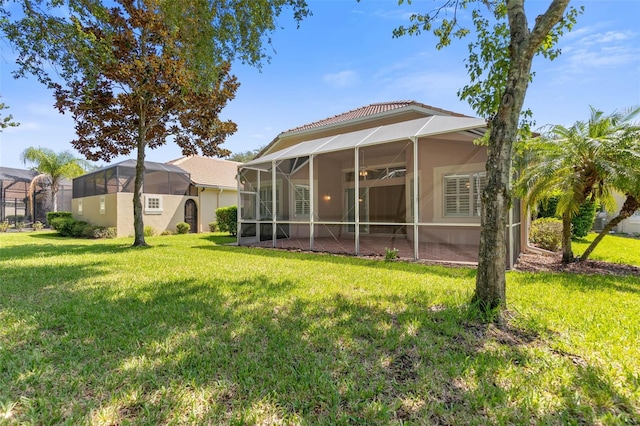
(302, 205)
(266, 202)
(463, 194)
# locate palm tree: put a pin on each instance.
(584, 162)
(52, 167)
(627, 181)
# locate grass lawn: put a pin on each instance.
(192, 332)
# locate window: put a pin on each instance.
(463, 194)
(266, 201)
(152, 204)
(301, 200)
(103, 203)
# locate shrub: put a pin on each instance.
(166, 232)
(64, 225)
(4, 226)
(78, 228)
(183, 228)
(37, 226)
(547, 208)
(20, 226)
(54, 215)
(104, 232)
(228, 219)
(583, 221)
(546, 233)
(87, 231)
(213, 226)
(390, 254)
(149, 231)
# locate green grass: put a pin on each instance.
(192, 332)
(612, 248)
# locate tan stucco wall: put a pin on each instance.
(119, 212)
(211, 199)
(91, 210)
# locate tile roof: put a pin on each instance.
(370, 110)
(211, 172)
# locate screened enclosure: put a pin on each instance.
(17, 204)
(158, 179)
(414, 187)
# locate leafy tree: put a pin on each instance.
(499, 67)
(140, 72)
(6, 121)
(582, 163)
(243, 157)
(52, 168)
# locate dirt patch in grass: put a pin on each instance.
(534, 262)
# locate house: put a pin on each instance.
(629, 226)
(394, 175)
(188, 190)
(16, 203)
(215, 181)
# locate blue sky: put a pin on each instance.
(344, 57)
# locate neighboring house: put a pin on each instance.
(629, 226)
(398, 175)
(16, 204)
(216, 184)
(170, 194)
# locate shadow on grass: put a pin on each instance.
(415, 267)
(252, 351)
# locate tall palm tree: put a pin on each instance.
(53, 167)
(581, 163)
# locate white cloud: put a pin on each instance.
(43, 110)
(24, 126)
(594, 48)
(341, 79)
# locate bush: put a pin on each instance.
(213, 226)
(15, 218)
(104, 232)
(390, 254)
(78, 228)
(228, 219)
(55, 215)
(64, 225)
(583, 221)
(149, 231)
(183, 228)
(547, 208)
(166, 232)
(546, 233)
(69, 227)
(4, 226)
(37, 226)
(20, 226)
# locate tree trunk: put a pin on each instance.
(496, 200)
(138, 224)
(567, 250)
(631, 204)
(54, 194)
(491, 278)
